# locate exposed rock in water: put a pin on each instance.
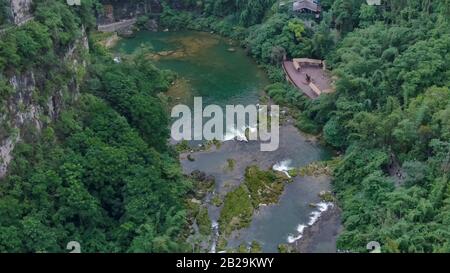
(327, 226)
(203, 183)
(202, 177)
(190, 157)
(126, 32)
(198, 175)
(152, 25)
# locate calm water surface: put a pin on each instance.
(207, 67)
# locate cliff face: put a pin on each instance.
(21, 11)
(27, 110)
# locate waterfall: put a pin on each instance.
(283, 166)
(215, 236)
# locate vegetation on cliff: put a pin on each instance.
(102, 174)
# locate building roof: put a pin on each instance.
(306, 4)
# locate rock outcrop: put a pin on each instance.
(21, 11)
(23, 113)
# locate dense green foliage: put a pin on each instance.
(41, 41)
(102, 174)
(245, 12)
(390, 113)
(94, 180)
(392, 105)
(133, 90)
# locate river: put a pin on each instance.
(221, 73)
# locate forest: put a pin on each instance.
(391, 105)
(103, 173)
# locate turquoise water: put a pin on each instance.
(205, 63)
(207, 67)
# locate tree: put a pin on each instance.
(297, 27)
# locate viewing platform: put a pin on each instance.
(308, 75)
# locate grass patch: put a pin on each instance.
(320, 168)
(203, 221)
(254, 247)
(217, 201)
(237, 210)
(265, 187)
(231, 163)
(293, 172)
(105, 39)
(259, 187)
(285, 248)
(327, 196)
(182, 146)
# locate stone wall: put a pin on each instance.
(115, 11)
(117, 26)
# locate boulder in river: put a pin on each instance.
(126, 33)
(198, 175)
(190, 157)
(152, 25)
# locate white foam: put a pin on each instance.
(239, 134)
(215, 230)
(291, 238)
(315, 215)
(283, 166)
(313, 218)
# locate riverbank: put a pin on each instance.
(294, 205)
(223, 77)
(328, 225)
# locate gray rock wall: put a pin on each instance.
(21, 11)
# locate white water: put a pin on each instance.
(292, 238)
(283, 166)
(215, 235)
(238, 134)
(313, 217)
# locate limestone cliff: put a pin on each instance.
(28, 110)
(21, 11)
